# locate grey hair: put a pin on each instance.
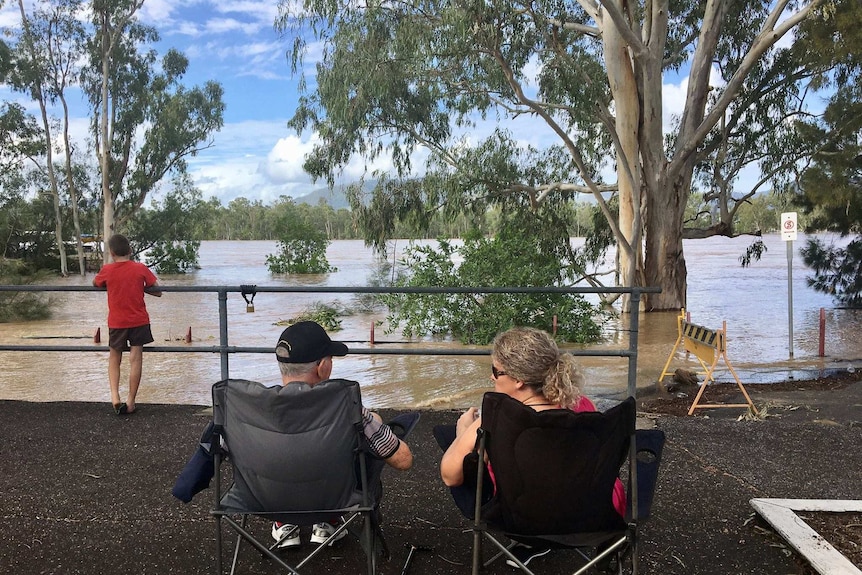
(294, 369)
(531, 355)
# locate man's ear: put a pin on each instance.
(324, 368)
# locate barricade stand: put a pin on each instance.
(708, 346)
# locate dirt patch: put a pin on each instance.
(842, 530)
(679, 400)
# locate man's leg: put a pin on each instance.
(115, 358)
(136, 360)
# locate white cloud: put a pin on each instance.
(673, 103)
(284, 162)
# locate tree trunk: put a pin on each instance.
(623, 86)
(664, 265)
(73, 192)
(105, 147)
(49, 156)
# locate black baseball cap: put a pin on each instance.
(305, 342)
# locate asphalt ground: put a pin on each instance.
(83, 491)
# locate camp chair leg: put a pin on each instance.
(233, 563)
(499, 554)
(243, 534)
(320, 548)
(615, 548)
(218, 544)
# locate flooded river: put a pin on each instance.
(753, 302)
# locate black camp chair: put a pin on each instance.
(298, 455)
(555, 472)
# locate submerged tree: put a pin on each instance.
(398, 77)
(503, 261)
(301, 245)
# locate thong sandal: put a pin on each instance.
(121, 409)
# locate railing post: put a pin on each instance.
(821, 348)
(634, 309)
(222, 328)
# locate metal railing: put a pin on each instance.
(224, 350)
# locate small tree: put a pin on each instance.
(300, 255)
(507, 260)
(301, 246)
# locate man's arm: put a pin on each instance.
(402, 458)
(384, 442)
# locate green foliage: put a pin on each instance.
(327, 315)
(566, 102)
(169, 257)
(754, 252)
(829, 189)
(21, 306)
(302, 243)
(300, 256)
(837, 271)
(164, 231)
(510, 260)
(20, 138)
(155, 121)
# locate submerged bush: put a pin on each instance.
(505, 261)
(21, 305)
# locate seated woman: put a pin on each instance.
(527, 365)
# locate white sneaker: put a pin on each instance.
(291, 540)
(322, 531)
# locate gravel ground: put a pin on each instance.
(84, 491)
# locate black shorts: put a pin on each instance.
(118, 338)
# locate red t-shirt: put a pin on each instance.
(125, 281)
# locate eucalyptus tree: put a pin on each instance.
(396, 77)
(50, 48)
(31, 76)
(130, 93)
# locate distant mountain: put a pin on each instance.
(334, 197)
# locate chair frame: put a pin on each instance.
(368, 535)
(620, 540)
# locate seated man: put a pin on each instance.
(304, 353)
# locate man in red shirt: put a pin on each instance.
(128, 320)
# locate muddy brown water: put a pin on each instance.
(753, 302)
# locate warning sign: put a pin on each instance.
(788, 226)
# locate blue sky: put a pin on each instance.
(255, 155)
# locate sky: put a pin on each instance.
(255, 155)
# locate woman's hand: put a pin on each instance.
(466, 420)
(452, 464)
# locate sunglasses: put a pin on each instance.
(497, 372)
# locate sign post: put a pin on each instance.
(788, 234)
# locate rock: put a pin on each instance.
(685, 377)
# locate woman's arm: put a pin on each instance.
(452, 464)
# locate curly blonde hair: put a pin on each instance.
(531, 355)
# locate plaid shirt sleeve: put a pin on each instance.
(382, 440)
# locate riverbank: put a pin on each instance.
(85, 491)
